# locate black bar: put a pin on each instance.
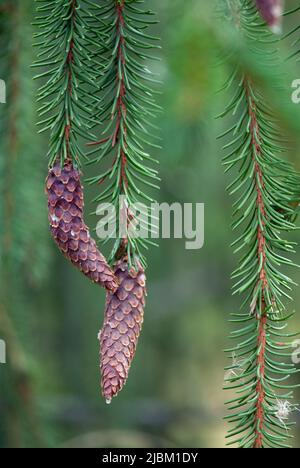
(135, 457)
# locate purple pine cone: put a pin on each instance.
(72, 236)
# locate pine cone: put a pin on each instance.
(271, 11)
(65, 205)
(124, 313)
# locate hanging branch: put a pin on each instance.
(68, 76)
(265, 188)
(66, 113)
(126, 110)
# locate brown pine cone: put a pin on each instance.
(65, 205)
(124, 313)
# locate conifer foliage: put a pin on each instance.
(265, 188)
(96, 79)
(125, 111)
(65, 112)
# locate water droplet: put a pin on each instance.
(108, 401)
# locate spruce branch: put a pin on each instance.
(126, 111)
(265, 187)
(65, 52)
(69, 77)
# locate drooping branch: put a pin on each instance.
(127, 108)
(256, 142)
(67, 96)
(69, 78)
(265, 187)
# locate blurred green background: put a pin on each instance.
(50, 314)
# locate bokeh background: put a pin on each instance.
(50, 314)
